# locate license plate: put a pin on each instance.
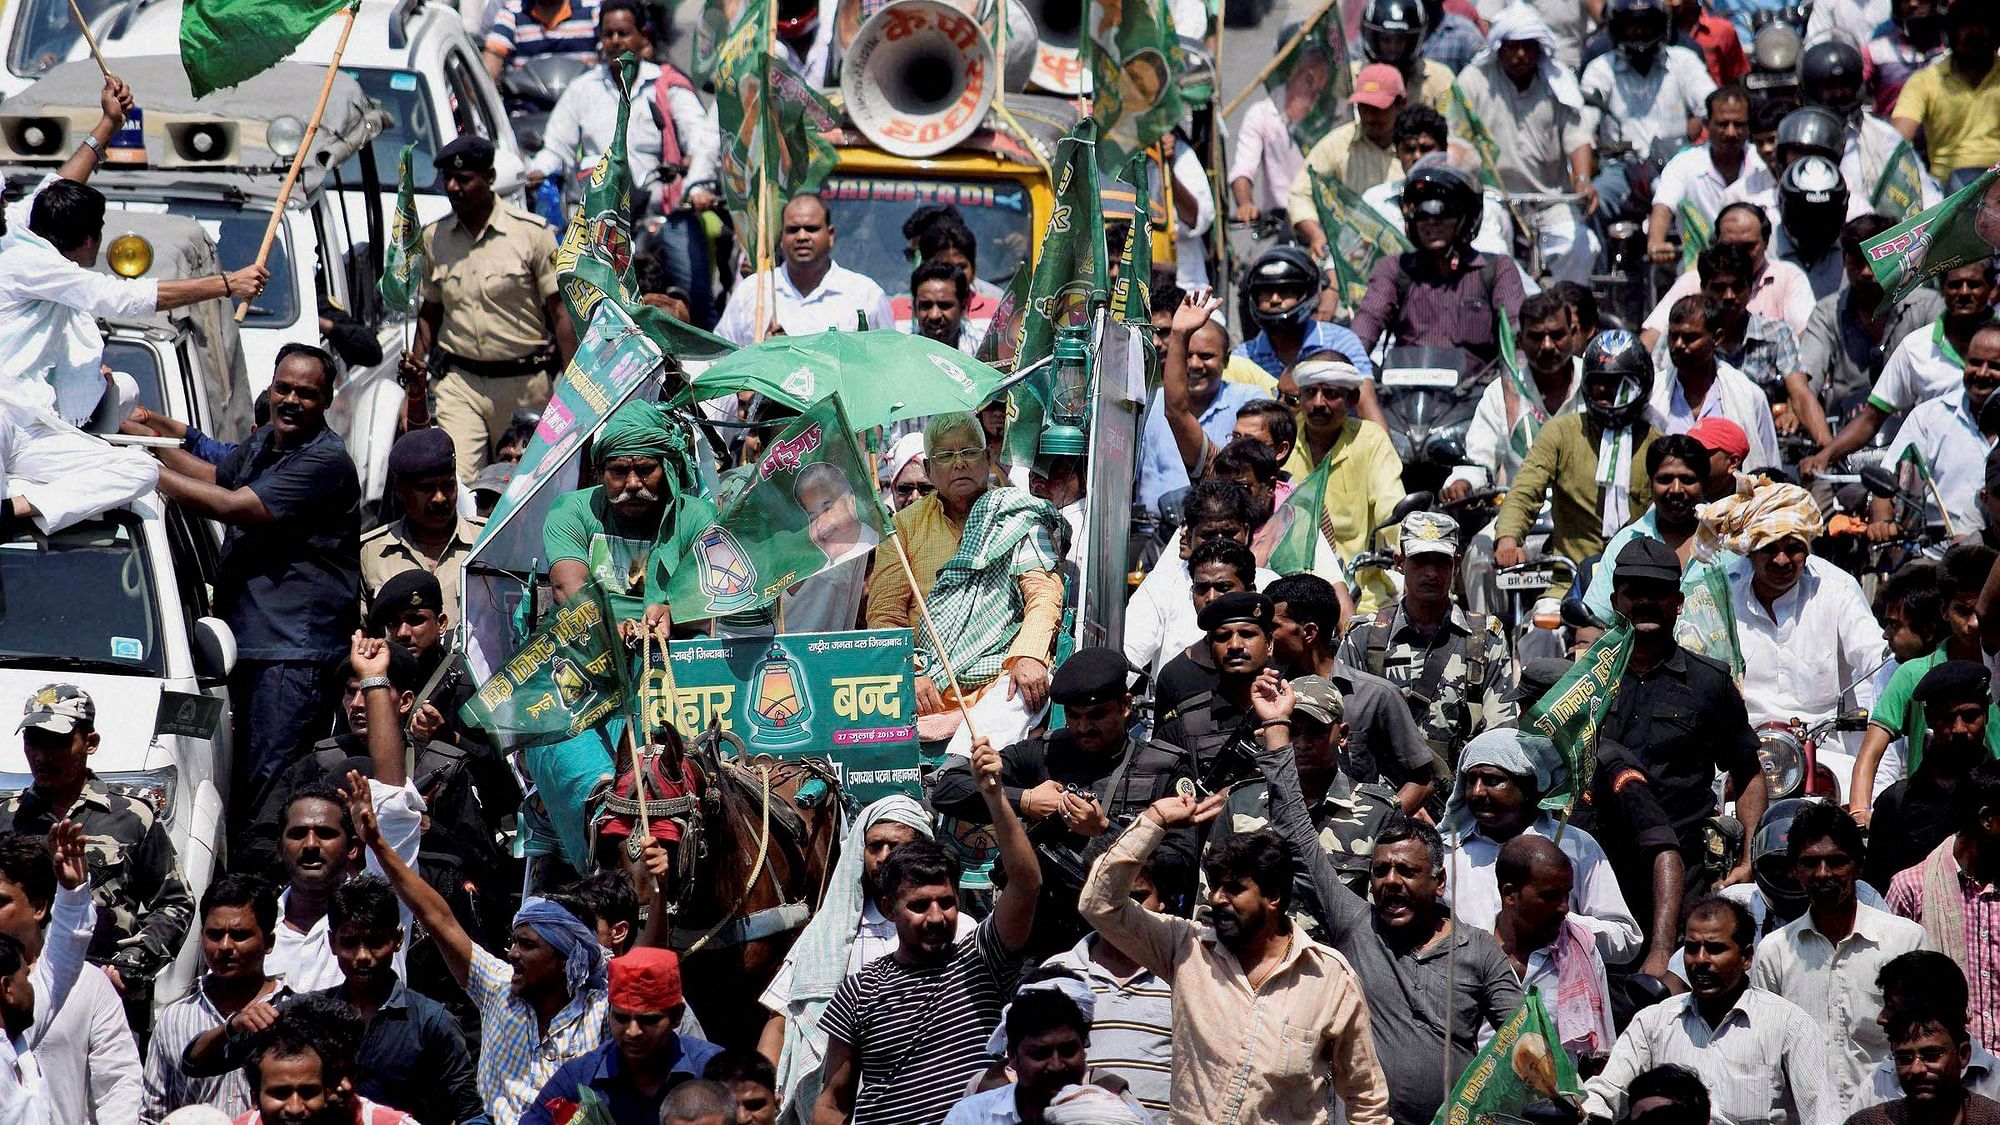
(1426, 378)
(1524, 580)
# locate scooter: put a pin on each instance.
(1428, 396)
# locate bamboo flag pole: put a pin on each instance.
(937, 641)
(83, 25)
(1284, 52)
(764, 107)
(305, 146)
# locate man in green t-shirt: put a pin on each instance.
(1896, 714)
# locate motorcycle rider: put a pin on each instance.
(1703, 386)
(1651, 95)
(1702, 175)
(1946, 432)
(1812, 205)
(1912, 40)
(1443, 293)
(1392, 33)
(1831, 75)
(1284, 287)
(1364, 481)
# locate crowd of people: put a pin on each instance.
(1292, 845)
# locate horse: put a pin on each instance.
(758, 838)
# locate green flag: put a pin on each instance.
(594, 260)
(1964, 228)
(1299, 521)
(773, 126)
(1070, 284)
(1465, 123)
(567, 678)
(1522, 1064)
(1001, 345)
(710, 29)
(1530, 418)
(1311, 81)
(1707, 623)
(1357, 235)
(403, 264)
(1697, 232)
(1571, 711)
(1135, 66)
(1132, 295)
(810, 504)
(224, 42)
(1899, 189)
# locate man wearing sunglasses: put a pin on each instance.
(1365, 479)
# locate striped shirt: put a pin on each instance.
(1132, 1027)
(517, 33)
(918, 1032)
(180, 1023)
(515, 1056)
(1982, 942)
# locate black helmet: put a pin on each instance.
(1770, 858)
(1811, 130)
(1436, 186)
(1638, 28)
(1834, 63)
(1812, 202)
(1617, 356)
(1392, 31)
(1293, 268)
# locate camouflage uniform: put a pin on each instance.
(143, 905)
(1348, 818)
(1461, 707)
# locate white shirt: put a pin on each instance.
(1982, 1077)
(1761, 919)
(840, 299)
(1765, 1064)
(1266, 155)
(1823, 638)
(24, 1092)
(305, 958)
(1691, 177)
(1160, 619)
(1733, 396)
(1487, 436)
(1945, 431)
(1190, 264)
(1758, 186)
(1858, 19)
(88, 1055)
(49, 308)
(1594, 898)
(1835, 984)
(581, 127)
(996, 1107)
(1924, 366)
(1643, 108)
(1781, 292)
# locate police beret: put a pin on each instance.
(1954, 681)
(1241, 605)
(412, 589)
(1537, 677)
(422, 452)
(468, 153)
(1091, 675)
(1644, 560)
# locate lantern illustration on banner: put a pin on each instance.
(779, 703)
(728, 577)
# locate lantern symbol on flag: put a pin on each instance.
(728, 577)
(780, 706)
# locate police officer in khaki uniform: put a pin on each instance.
(430, 536)
(491, 308)
(1453, 667)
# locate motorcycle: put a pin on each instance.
(1534, 622)
(531, 91)
(1429, 399)
(1788, 754)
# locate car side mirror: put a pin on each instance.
(214, 645)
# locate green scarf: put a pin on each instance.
(976, 604)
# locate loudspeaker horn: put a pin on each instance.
(918, 78)
(1058, 30)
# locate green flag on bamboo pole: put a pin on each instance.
(225, 42)
(403, 262)
(1571, 712)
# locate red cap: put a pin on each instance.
(1378, 85)
(1721, 434)
(646, 980)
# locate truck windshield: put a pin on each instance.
(868, 214)
(237, 232)
(45, 33)
(44, 623)
(412, 121)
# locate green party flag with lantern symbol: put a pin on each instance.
(1964, 228)
(1135, 66)
(568, 677)
(1574, 708)
(774, 127)
(403, 264)
(1357, 235)
(1311, 81)
(1132, 293)
(1899, 189)
(1301, 523)
(810, 504)
(1001, 345)
(226, 42)
(1531, 417)
(1522, 1064)
(1070, 283)
(594, 260)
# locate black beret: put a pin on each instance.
(1954, 681)
(1090, 675)
(468, 153)
(411, 589)
(1239, 605)
(422, 452)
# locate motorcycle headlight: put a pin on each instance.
(1783, 759)
(1446, 444)
(155, 787)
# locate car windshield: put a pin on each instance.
(143, 365)
(45, 33)
(43, 623)
(237, 232)
(868, 216)
(412, 121)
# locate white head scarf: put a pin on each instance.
(1519, 23)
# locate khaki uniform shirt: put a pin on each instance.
(386, 552)
(492, 284)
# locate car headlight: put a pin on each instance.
(155, 787)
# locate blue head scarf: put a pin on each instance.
(583, 958)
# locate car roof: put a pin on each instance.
(384, 34)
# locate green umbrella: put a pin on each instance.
(882, 376)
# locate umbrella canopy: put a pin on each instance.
(882, 376)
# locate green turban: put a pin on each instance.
(640, 429)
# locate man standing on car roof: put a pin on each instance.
(491, 308)
(143, 905)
